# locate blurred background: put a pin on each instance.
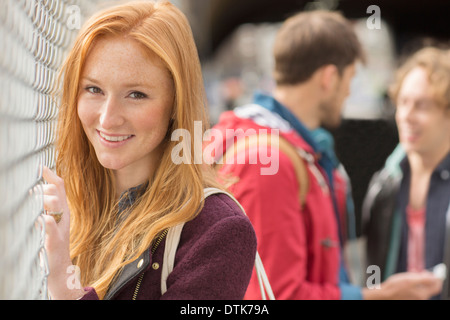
(235, 45)
(234, 39)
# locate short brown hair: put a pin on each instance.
(436, 62)
(309, 40)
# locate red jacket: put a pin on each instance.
(299, 247)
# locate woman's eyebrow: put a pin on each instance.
(89, 79)
(126, 85)
(138, 84)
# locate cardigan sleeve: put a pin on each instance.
(215, 258)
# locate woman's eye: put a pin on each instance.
(94, 90)
(138, 95)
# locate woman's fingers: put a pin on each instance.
(55, 202)
(50, 224)
(52, 203)
(51, 177)
(52, 238)
(57, 231)
(50, 189)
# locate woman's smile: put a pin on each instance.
(114, 140)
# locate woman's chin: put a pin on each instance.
(111, 164)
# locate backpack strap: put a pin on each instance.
(173, 239)
(296, 155)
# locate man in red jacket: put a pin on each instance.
(300, 240)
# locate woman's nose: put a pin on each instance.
(112, 114)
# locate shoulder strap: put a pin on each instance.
(299, 166)
(263, 280)
(173, 239)
(284, 146)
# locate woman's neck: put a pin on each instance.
(128, 178)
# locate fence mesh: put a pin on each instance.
(34, 38)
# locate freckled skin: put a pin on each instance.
(125, 92)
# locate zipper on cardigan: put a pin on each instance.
(138, 286)
(141, 277)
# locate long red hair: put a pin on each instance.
(174, 194)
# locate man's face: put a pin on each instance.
(332, 105)
(423, 125)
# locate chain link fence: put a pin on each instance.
(34, 38)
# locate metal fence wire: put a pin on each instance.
(34, 38)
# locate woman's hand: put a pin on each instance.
(57, 243)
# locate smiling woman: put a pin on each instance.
(131, 79)
(125, 104)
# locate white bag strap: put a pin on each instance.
(173, 239)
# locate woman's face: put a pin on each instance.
(423, 125)
(125, 103)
